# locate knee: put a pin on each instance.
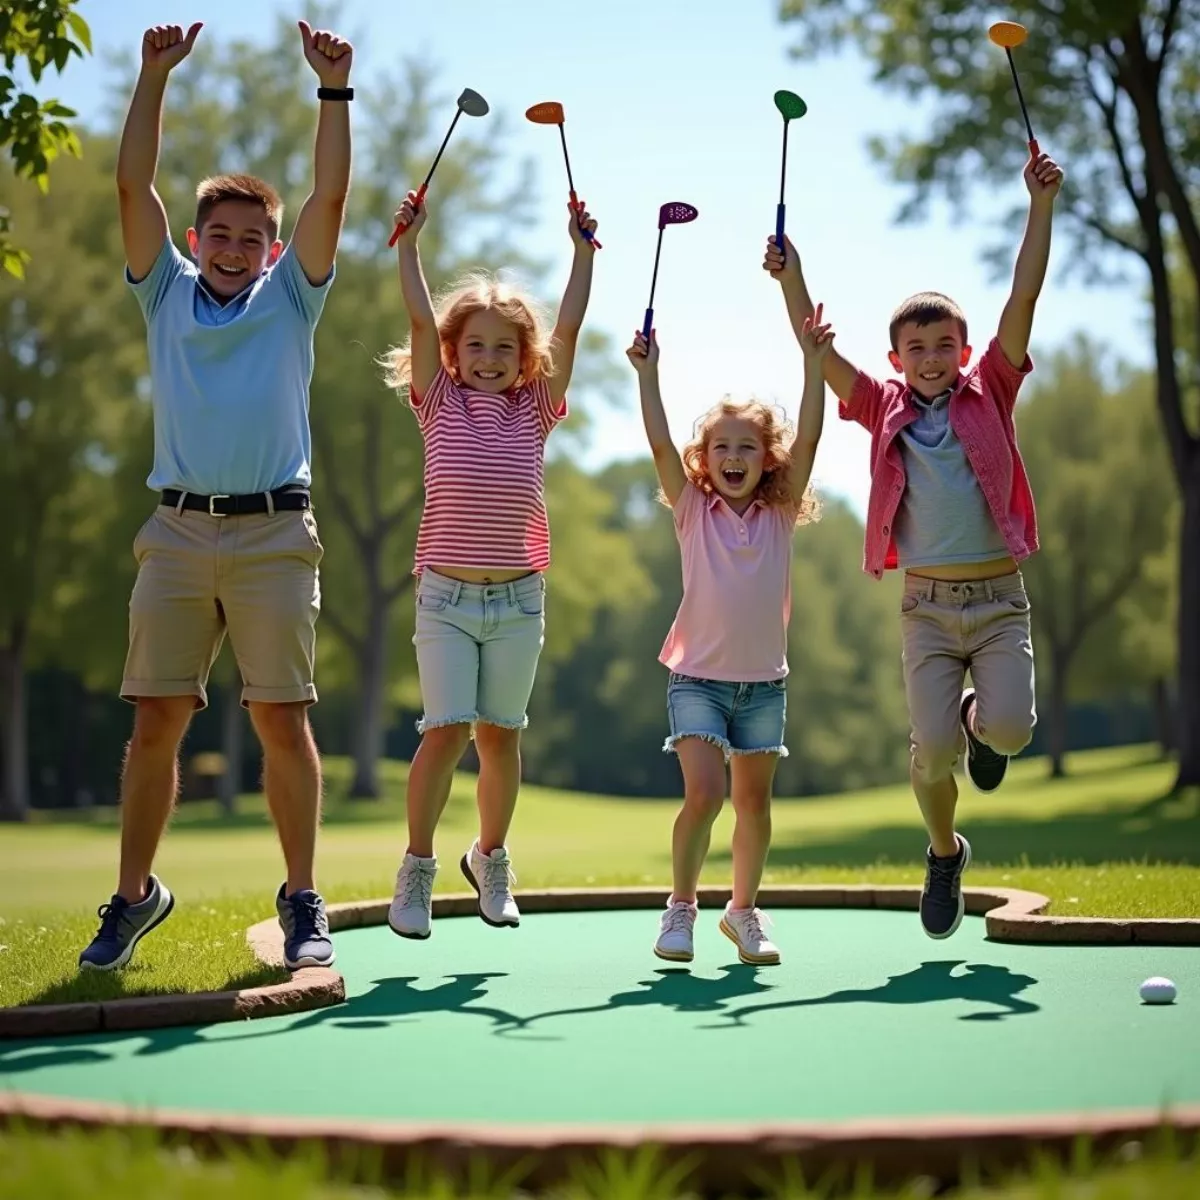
(753, 804)
(495, 742)
(160, 722)
(935, 757)
(282, 728)
(446, 741)
(704, 797)
(1006, 732)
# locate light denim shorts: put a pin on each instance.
(477, 649)
(741, 718)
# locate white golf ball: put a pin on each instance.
(1157, 990)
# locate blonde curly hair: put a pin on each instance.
(474, 293)
(774, 488)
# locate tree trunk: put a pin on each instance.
(1164, 716)
(233, 728)
(1057, 737)
(14, 787)
(1188, 712)
(372, 678)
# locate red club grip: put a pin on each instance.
(1033, 147)
(400, 225)
(587, 233)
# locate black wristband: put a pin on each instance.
(331, 93)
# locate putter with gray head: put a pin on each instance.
(792, 108)
(474, 105)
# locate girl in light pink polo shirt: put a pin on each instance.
(488, 383)
(738, 492)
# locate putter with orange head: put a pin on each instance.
(550, 112)
(1007, 35)
(792, 108)
(474, 105)
(675, 213)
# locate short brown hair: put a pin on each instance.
(924, 309)
(248, 188)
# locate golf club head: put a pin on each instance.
(549, 112)
(472, 103)
(676, 213)
(1007, 34)
(790, 105)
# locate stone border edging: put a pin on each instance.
(1011, 915)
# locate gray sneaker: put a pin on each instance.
(306, 940)
(942, 900)
(123, 925)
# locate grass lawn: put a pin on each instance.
(1103, 842)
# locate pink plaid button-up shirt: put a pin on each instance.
(981, 415)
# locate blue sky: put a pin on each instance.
(671, 100)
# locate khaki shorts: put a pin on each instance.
(255, 575)
(948, 629)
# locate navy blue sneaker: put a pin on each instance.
(985, 766)
(306, 941)
(942, 902)
(123, 925)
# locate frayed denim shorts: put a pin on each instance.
(478, 647)
(741, 718)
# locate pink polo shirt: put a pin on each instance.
(737, 590)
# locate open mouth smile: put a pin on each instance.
(733, 476)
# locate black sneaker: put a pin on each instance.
(942, 903)
(985, 766)
(306, 941)
(123, 925)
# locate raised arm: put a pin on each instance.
(667, 462)
(144, 226)
(1043, 178)
(319, 224)
(816, 340)
(422, 322)
(839, 374)
(574, 304)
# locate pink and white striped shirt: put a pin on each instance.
(485, 503)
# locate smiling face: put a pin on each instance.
(930, 356)
(234, 245)
(489, 352)
(735, 457)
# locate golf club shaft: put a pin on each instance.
(562, 133)
(1012, 66)
(653, 286)
(783, 168)
(400, 227)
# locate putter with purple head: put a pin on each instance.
(792, 108)
(675, 213)
(550, 112)
(474, 105)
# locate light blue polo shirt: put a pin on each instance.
(229, 382)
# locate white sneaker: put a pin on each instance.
(491, 875)
(744, 927)
(412, 905)
(675, 931)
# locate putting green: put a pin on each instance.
(571, 1019)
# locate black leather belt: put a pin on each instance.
(283, 500)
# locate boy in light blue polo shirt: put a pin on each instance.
(232, 545)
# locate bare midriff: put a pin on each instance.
(967, 572)
(482, 574)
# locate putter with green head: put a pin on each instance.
(792, 108)
(1007, 35)
(474, 105)
(550, 112)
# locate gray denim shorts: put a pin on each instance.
(478, 647)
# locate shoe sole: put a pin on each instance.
(674, 955)
(983, 789)
(751, 960)
(412, 936)
(466, 870)
(308, 961)
(123, 958)
(962, 902)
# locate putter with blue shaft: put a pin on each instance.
(675, 213)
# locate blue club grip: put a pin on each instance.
(647, 324)
(779, 209)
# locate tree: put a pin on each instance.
(68, 381)
(38, 34)
(1098, 466)
(1114, 85)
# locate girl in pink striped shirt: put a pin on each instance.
(487, 385)
(738, 493)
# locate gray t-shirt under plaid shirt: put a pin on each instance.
(943, 515)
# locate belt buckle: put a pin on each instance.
(211, 511)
